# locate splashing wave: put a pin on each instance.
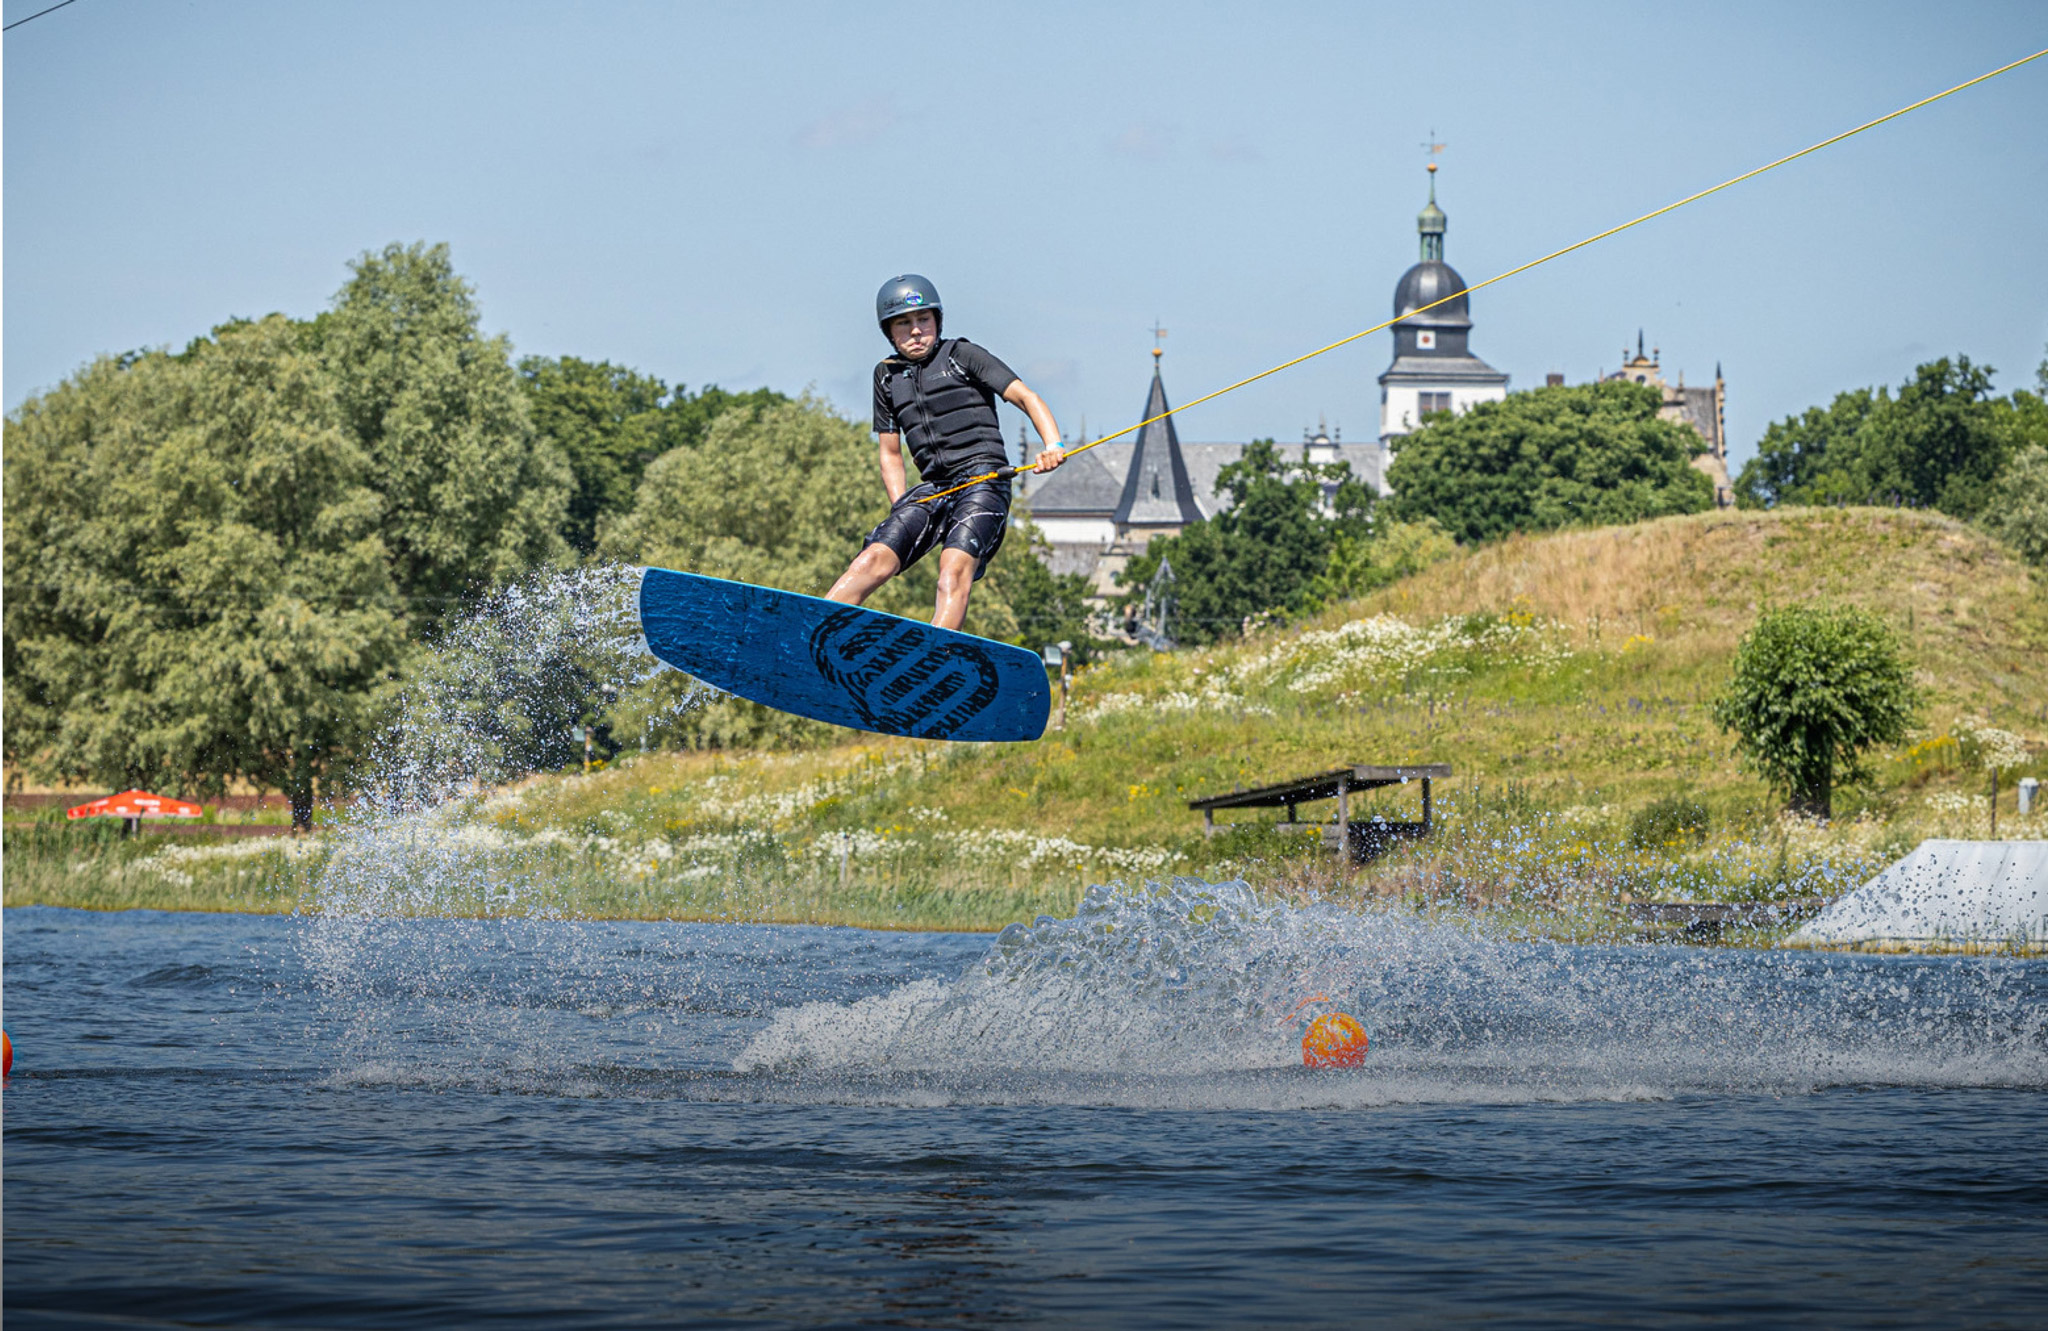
(1192, 978)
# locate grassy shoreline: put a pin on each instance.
(1566, 678)
(116, 882)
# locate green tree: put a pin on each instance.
(609, 422)
(688, 416)
(606, 423)
(1261, 552)
(1592, 454)
(472, 497)
(1813, 689)
(1361, 562)
(196, 590)
(1049, 607)
(1941, 445)
(2018, 509)
(781, 501)
(1940, 442)
(779, 498)
(1795, 453)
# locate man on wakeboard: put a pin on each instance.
(939, 395)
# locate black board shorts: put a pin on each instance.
(973, 520)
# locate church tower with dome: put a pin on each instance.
(1434, 368)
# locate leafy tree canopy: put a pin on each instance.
(197, 591)
(688, 416)
(1262, 552)
(472, 496)
(1048, 607)
(1940, 442)
(2018, 509)
(1359, 563)
(1813, 689)
(1553, 457)
(609, 422)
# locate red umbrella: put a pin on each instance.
(135, 805)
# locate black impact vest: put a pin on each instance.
(948, 417)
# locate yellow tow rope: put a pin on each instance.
(1007, 472)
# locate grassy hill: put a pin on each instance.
(1566, 678)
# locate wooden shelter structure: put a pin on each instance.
(1360, 839)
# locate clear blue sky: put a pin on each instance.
(713, 192)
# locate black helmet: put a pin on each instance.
(901, 295)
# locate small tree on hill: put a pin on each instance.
(1814, 688)
(1362, 562)
(2018, 511)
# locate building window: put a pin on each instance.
(1431, 403)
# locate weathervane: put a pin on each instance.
(1433, 147)
(1158, 336)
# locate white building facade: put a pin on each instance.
(1434, 369)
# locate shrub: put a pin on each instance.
(2018, 513)
(1260, 842)
(1361, 562)
(1672, 823)
(1813, 689)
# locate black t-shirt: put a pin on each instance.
(945, 408)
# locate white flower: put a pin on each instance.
(1031, 849)
(856, 843)
(1212, 698)
(1384, 649)
(164, 862)
(1996, 748)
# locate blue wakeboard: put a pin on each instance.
(845, 664)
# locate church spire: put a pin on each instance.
(1429, 224)
(1157, 491)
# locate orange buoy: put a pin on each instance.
(1333, 1040)
(6, 1055)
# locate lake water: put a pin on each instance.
(297, 1122)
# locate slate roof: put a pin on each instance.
(1696, 408)
(1087, 486)
(1107, 480)
(1157, 491)
(1442, 369)
(1077, 491)
(1204, 461)
(1426, 283)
